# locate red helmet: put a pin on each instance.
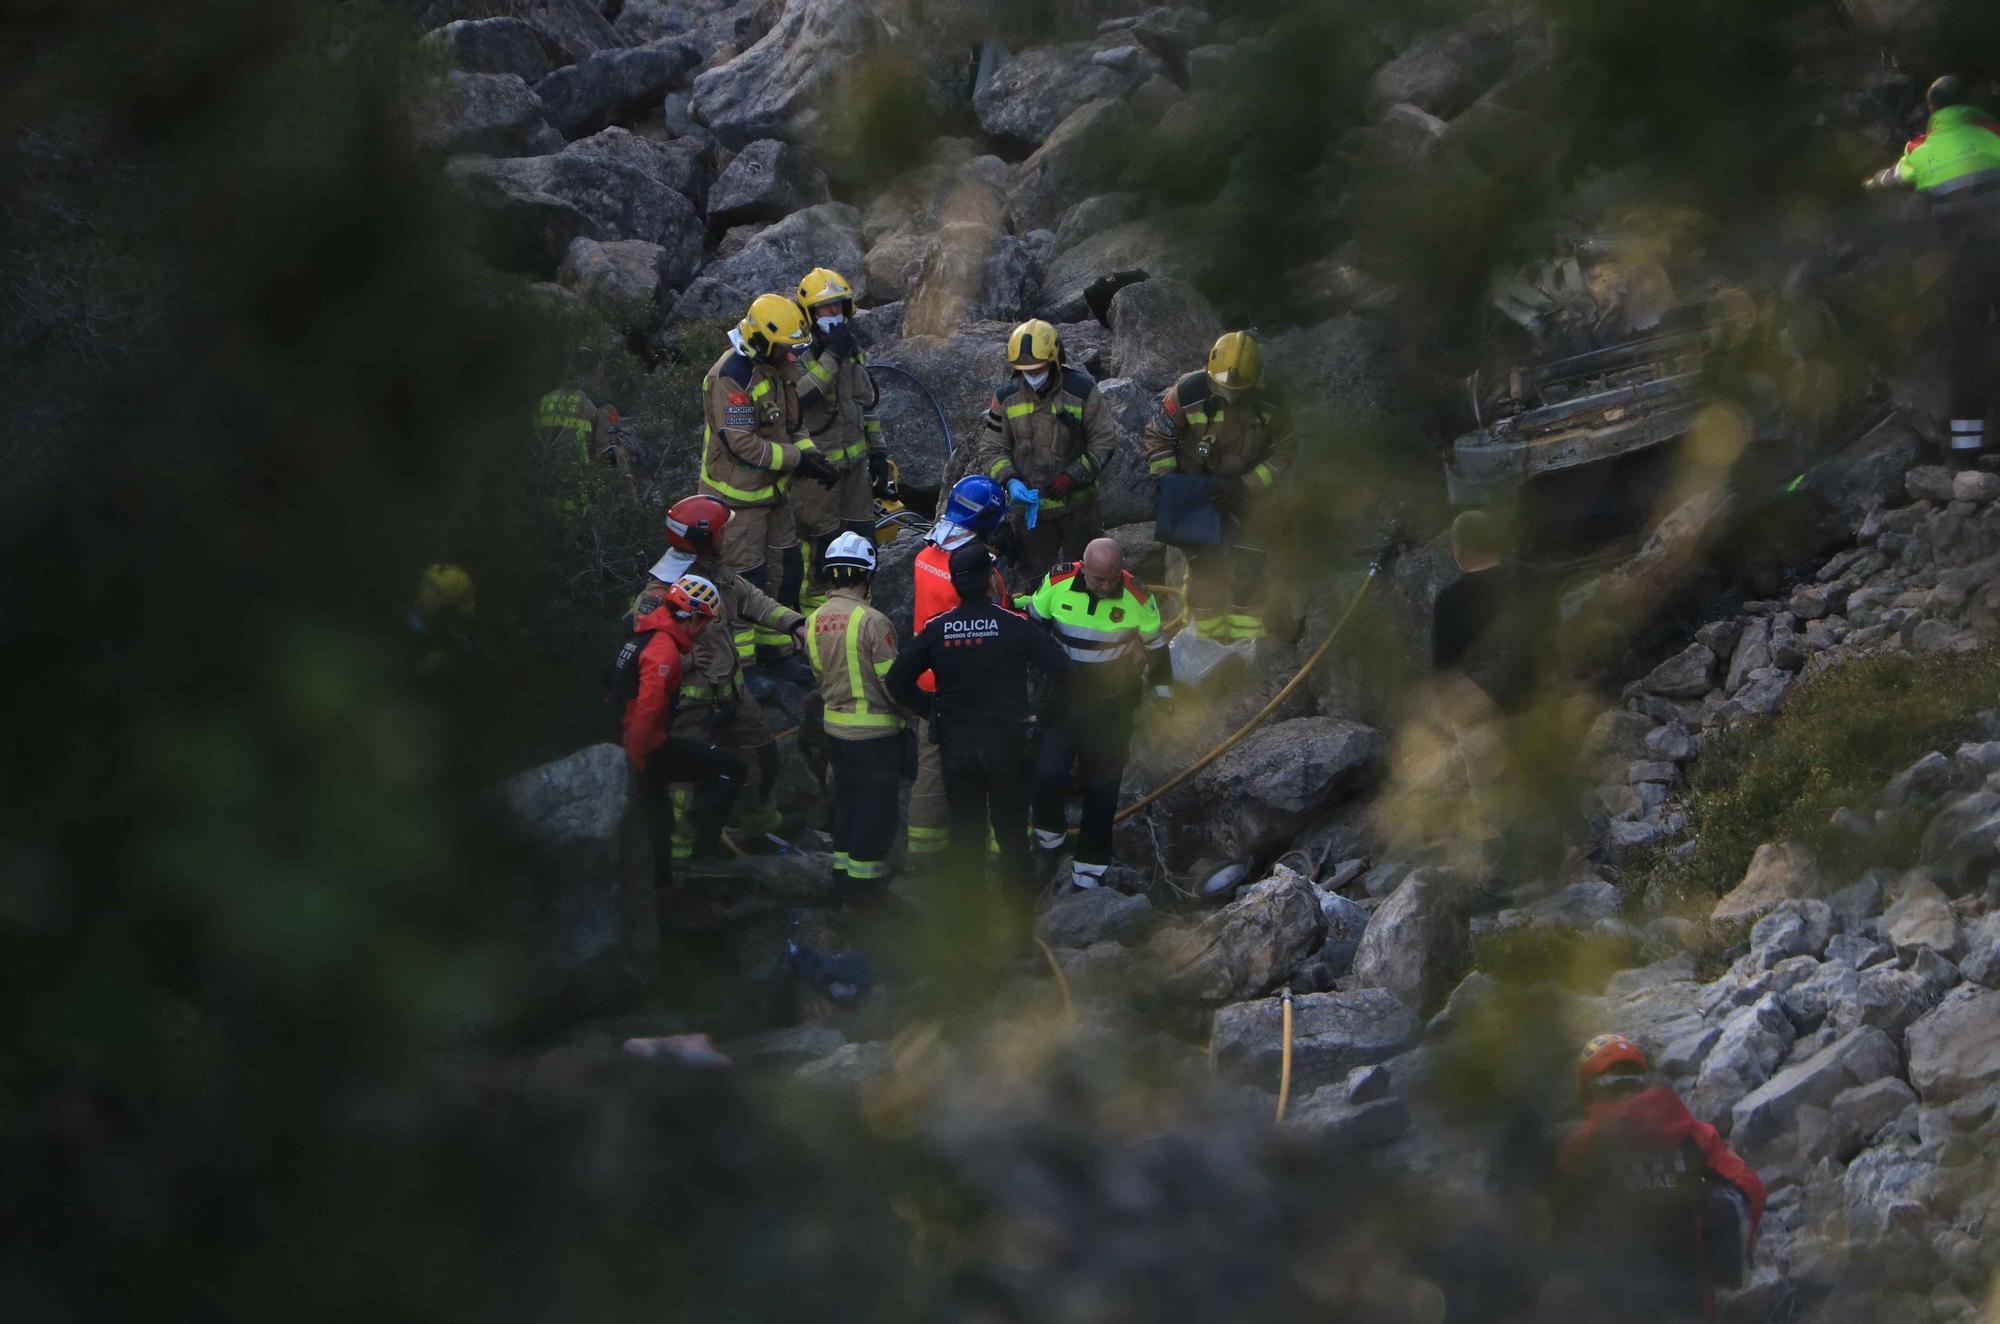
(695, 523)
(1607, 1060)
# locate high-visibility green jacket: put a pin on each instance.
(1111, 640)
(1959, 150)
(570, 413)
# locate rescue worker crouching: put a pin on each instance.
(1109, 627)
(1955, 165)
(974, 511)
(714, 704)
(1047, 438)
(981, 655)
(568, 417)
(753, 442)
(651, 671)
(837, 399)
(852, 647)
(1217, 424)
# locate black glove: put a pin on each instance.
(1005, 541)
(880, 477)
(813, 465)
(840, 342)
(1228, 497)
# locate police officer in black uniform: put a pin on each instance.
(981, 654)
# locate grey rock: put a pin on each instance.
(1857, 952)
(1858, 903)
(1652, 770)
(1123, 254)
(1209, 67)
(1975, 485)
(492, 46)
(1413, 940)
(1885, 1188)
(1830, 994)
(1752, 652)
(790, 83)
(1767, 1113)
(570, 30)
(1083, 919)
(1753, 1041)
(962, 371)
(1962, 843)
(1853, 824)
(1955, 1049)
(791, 1047)
(719, 30)
(1343, 365)
(971, 272)
(1038, 90)
(1332, 1034)
(848, 1067)
(1068, 166)
(1116, 57)
(1721, 636)
(613, 84)
(586, 846)
(767, 181)
(1981, 961)
(1891, 999)
(1366, 1084)
(1384, 878)
(488, 114)
(1929, 482)
(1337, 1125)
(1688, 674)
(892, 263)
(1670, 741)
(1446, 72)
(1160, 329)
(1791, 928)
(1921, 782)
(623, 272)
(1866, 1109)
(1095, 215)
(773, 260)
(1174, 31)
(1345, 923)
(1249, 946)
(1779, 871)
(1470, 1000)
(1279, 778)
(1922, 917)
(1581, 905)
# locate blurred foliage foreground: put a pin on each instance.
(251, 916)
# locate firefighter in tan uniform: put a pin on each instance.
(1216, 424)
(837, 397)
(753, 442)
(714, 704)
(1047, 438)
(852, 646)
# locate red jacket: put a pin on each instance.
(935, 596)
(650, 712)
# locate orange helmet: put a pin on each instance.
(694, 523)
(1609, 1057)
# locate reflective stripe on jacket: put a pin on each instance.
(1195, 429)
(1035, 435)
(751, 433)
(837, 402)
(711, 662)
(852, 647)
(1111, 639)
(571, 412)
(1960, 142)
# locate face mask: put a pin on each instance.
(828, 323)
(1035, 379)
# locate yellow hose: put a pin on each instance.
(1285, 1060)
(1181, 778)
(1062, 980)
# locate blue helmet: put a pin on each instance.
(976, 503)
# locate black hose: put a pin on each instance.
(949, 444)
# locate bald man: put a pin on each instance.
(1110, 627)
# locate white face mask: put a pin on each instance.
(828, 323)
(1035, 379)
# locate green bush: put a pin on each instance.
(1840, 737)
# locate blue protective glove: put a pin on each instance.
(1023, 495)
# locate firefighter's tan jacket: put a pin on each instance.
(852, 646)
(1035, 435)
(837, 399)
(752, 434)
(1195, 429)
(710, 668)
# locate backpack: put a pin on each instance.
(622, 685)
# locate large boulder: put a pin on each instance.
(1752, 1042)
(1080, 282)
(1962, 844)
(1341, 365)
(893, 261)
(1160, 328)
(1768, 1113)
(768, 181)
(1033, 93)
(1277, 781)
(961, 372)
(1095, 215)
(570, 30)
(1922, 917)
(1332, 1033)
(971, 272)
(583, 830)
(624, 273)
(1174, 31)
(492, 46)
(1778, 872)
(789, 83)
(1444, 73)
(1955, 1050)
(487, 114)
(1068, 164)
(1127, 493)
(1414, 940)
(609, 85)
(609, 186)
(719, 30)
(774, 259)
(1101, 914)
(1249, 946)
